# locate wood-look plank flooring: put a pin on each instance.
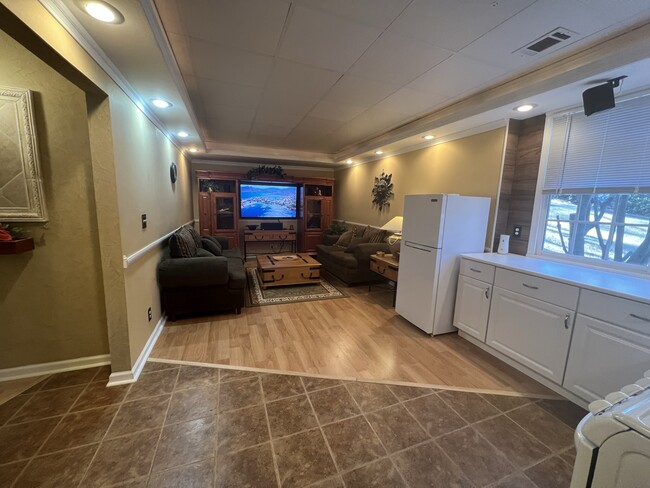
(356, 337)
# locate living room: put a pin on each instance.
(117, 175)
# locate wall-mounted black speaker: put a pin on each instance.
(600, 97)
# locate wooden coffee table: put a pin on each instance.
(287, 269)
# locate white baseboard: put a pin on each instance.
(125, 377)
(54, 367)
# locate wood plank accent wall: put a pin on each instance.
(521, 165)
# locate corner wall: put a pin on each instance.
(468, 166)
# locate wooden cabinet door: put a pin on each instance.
(472, 307)
(603, 357)
(312, 240)
(533, 333)
(328, 212)
(205, 216)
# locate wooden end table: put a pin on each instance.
(287, 269)
(386, 266)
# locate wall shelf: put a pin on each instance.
(17, 246)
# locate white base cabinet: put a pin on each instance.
(532, 332)
(472, 306)
(604, 357)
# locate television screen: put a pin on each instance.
(268, 201)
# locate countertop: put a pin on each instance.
(618, 284)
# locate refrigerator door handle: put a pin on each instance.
(419, 248)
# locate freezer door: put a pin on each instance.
(416, 286)
(423, 219)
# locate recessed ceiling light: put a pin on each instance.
(182, 134)
(427, 137)
(379, 152)
(103, 12)
(193, 150)
(349, 161)
(160, 103)
(527, 107)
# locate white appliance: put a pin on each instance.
(435, 230)
(613, 441)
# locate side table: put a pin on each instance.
(386, 266)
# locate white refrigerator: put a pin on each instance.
(435, 230)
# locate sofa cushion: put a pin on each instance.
(237, 273)
(345, 238)
(354, 243)
(195, 235)
(181, 244)
(375, 235)
(213, 246)
(203, 253)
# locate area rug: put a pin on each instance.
(257, 296)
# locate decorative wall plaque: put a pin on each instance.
(21, 187)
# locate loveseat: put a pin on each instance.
(211, 278)
(350, 262)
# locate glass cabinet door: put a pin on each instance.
(314, 213)
(224, 211)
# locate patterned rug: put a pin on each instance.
(257, 296)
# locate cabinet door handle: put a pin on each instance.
(566, 321)
(531, 286)
(645, 319)
(475, 270)
(487, 293)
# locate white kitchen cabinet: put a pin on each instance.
(532, 332)
(603, 357)
(472, 306)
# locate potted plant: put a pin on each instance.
(14, 240)
(336, 228)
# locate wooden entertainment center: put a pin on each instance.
(219, 212)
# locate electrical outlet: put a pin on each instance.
(144, 221)
(149, 314)
(516, 231)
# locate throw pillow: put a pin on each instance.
(375, 235)
(182, 245)
(212, 245)
(354, 243)
(344, 240)
(195, 235)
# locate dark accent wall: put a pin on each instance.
(519, 180)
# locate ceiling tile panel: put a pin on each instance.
(218, 93)
(457, 75)
(336, 111)
(363, 92)
(228, 64)
(397, 59)
(453, 24)
(278, 118)
(253, 25)
(621, 10)
(497, 47)
(181, 49)
(410, 102)
(323, 40)
(271, 130)
(265, 140)
(170, 16)
(378, 13)
(314, 126)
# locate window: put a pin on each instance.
(596, 188)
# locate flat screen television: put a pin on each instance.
(258, 200)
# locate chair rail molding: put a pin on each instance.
(132, 258)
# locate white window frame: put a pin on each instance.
(540, 205)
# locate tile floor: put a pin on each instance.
(207, 427)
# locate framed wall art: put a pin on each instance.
(21, 186)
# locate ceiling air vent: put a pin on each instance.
(550, 41)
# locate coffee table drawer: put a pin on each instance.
(289, 276)
(383, 269)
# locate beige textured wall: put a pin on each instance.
(468, 166)
(52, 300)
(132, 177)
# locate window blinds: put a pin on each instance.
(608, 152)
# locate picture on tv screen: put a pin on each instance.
(265, 201)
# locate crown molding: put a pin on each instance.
(261, 152)
(63, 16)
(243, 164)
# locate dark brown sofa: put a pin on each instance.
(202, 284)
(352, 264)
